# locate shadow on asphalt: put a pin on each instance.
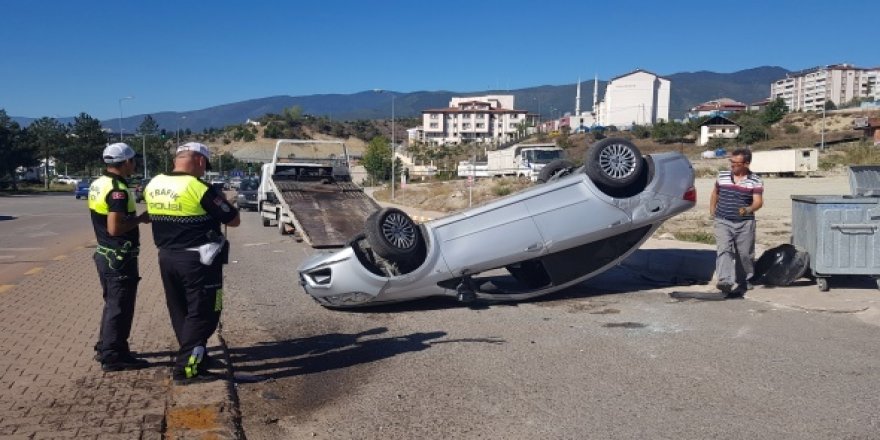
(644, 269)
(328, 352)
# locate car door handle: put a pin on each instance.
(533, 247)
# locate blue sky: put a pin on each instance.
(60, 58)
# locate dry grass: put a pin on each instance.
(453, 195)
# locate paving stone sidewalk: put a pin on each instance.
(50, 385)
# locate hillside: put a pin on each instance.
(688, 89)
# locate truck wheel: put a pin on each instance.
(281, 229)
(393, 235)
(555, 170)
(262, 217)
(614, 163)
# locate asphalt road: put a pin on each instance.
(37, 229)
(584, 363)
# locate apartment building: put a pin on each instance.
(809, 89)
(639, 97)
(489, 119)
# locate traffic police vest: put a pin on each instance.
(99, 192)
(179, 220)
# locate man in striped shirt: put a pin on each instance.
(737, 194)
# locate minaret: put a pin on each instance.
(577, 100)
(595, 92)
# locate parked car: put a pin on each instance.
(573, 225)
(247, 194)
(82, 189)
(67, 180)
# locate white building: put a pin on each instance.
(809, 89)
(639, 97)
(489, 119)
(718, 127)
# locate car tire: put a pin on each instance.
(393, 235)
(614, 163)
(554, 170)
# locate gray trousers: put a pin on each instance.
(734, 263)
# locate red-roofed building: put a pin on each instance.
(489, 119)
(720, 106)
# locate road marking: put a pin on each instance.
(60, 257)
(254, 244)
(6, 287)
(34, 271)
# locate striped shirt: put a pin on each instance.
(732, 196)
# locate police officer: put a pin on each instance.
(186, 214)
(115, 221)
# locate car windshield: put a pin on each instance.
(249, 185)
(542, 156)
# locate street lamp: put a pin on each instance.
(120, 114)
(146, 174)
(824, 101)
(393, 97)
(178, 129)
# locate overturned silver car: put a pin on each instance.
(574, 224)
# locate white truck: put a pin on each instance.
(307, 189)
(789, 161)
(522, 160)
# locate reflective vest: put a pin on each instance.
(99, 209)
(178, 219)
(98, 194)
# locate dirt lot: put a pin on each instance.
(774, 219)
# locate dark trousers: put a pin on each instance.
(194, 294)
(119, 288)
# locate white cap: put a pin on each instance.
(198, 148)
(117, 153)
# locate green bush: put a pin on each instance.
(501, 190)
(695, 236)
(791, 129)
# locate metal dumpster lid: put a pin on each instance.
(864, 180)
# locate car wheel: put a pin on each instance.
(614, 163)
(393, 235)
(555, 170)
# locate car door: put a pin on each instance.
(572, 215)
(482, 239)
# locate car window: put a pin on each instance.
(249, 185)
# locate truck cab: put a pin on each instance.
(522, 160)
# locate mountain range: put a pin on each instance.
(687, 90)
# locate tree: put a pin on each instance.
(752, 128)
(377, 158)
(829, 105)
(13, 151)
(87, 141)
(49, 137)
(774, 112)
